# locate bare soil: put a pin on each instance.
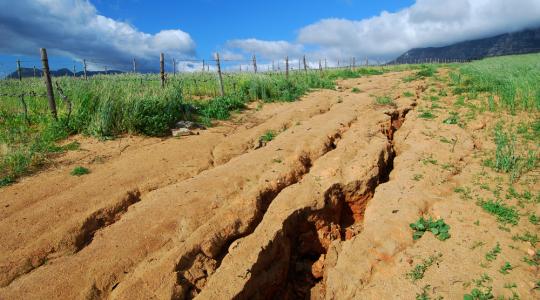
(322, 211)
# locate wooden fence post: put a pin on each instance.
(287, 68)
(254, 63)
(34, 71)
(353, 63)
(221, 89)
(48, 83)
(134, 66)
(84, 69)
(19, 72)
(305, 66)
(162, 69)
(320, 66)
(203, 65)
(74, 75)
(174, 66)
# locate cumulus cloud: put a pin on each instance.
(265, 49)
(425, 23)
(75, 29)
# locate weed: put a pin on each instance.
(268, 136)
(534, 219)
(356, 90)
(505, 268)
(408, 94)
(418, 177)
(429, 160)
(464, 191)
(439, 228)
(505, 214)
(418, 271)
(493, 253)
(79, 171)
(427, 115)
(527, 237)
(477, 244)
(453, 119)
(385, 100)
(481, 292)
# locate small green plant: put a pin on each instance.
(268, 136)
(385, 100)
(356, 90)
(527, 237)
(464, 191)
(418, 177)
(439, 228)
(418, 271)
(477, 244)
(505, 214)
(534, 260)
(408, 94)
(493, 253)
(453, 119)
(429, 160)
(534, 219)
(79, 171)
(505, 268)
(481, 291)
(427, 115)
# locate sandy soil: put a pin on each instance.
(321, 211)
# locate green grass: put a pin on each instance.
(268, 136)
(356, 90)
(532, 238)
(408, 94)
(107, 106)
(79, 171)
(384, 100)
(418, 271)
(506, 268)
(427, 115)
(513, 79)
(505, 214)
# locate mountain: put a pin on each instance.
(29, 72)
(526, 41)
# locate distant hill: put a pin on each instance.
(29, 72)
(526, 41)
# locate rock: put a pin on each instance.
(189, 125)
(477, 125)
(181, 132)
(317, 269)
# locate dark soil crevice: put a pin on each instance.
(195, 267)
(292, 267)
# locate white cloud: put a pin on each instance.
(265, 49)
(74, 28)
(426, 23)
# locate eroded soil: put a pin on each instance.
(321, 211)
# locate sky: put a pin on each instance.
(110, 33)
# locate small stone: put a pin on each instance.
(181, 132)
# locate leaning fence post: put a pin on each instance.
(48, 83)
(19, 73)
(254, 63)
(162, 69)
(84, 69)
(222, 91)
(287, 67)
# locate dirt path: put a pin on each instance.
(320, 211)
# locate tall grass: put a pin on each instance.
(513, 79)
(109, 105)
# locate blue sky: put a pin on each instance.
(112, 32)
(212, 22)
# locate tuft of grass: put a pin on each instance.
(493, 253)
(408, 94)
(80, 171)
(356, 90)
(419, 270)
(527, 237)
(384, 100)
(268, 136)
(505, 268)
(505, 214)
(439, 228)
(427, 115)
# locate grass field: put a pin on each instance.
(106, 106)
